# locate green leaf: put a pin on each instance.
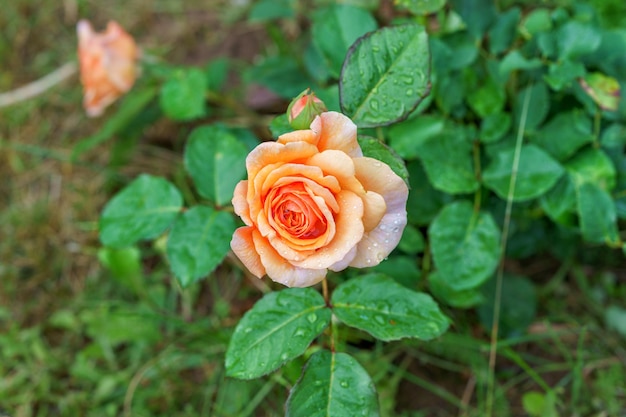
(561, 74)
(454, 298)
(538, 105)
(374, 148)
(536, 21)
(142, 210)
(504, 31)
(386, 75)
(277, 329)
(488, 99)
(477, 14)
(216, 73)
(613, 136)
(333, 385)
(407, 137)
(494, 127)
(615, 319)
(564, 134)
(514, 61)
(216, 161)
(387, 310)
(265, 10)
(282, 75)
(280, 125)
(518, 305)
(536, 173)
(412, 241)
(596, 210)
(198, 242)
(403, 269)
(124, 265)
(335, 29)
(130, 107)
(421, 7)
(424, 201)
(447, 160)
(560, 202)
(183, 94)
(594, 166)
(576, 39)
(465, 245)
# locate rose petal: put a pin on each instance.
(337, 132)
(380, 241)
(345, 262)
(349, 231)
(299, 136)
(375, 209)
(279, 270)
(340, 166)
(240, 204)
(242, 245)
(272, 152)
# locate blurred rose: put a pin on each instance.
(108, 65)
(312, 202)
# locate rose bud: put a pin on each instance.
(303, 109)
(312, 203)
(108, 65)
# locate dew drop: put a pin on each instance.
(344, 384)
(247, 330)
(312, 318)
(379, 319)
(299, 332)
(284, 356)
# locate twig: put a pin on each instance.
(38, 87)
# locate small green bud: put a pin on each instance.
(304, 109)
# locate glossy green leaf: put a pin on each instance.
(277, 329)
(564, 134)
(336, 28)
(142, 210)
(387, 310)
(538, 105)
(576, 39)
(373, 148)
(216, 161)
(594, 166)
(125, 266)
(514, 61)
(403, 269)
(333, 385)
(412, 241)
(536, 173)
(407, 137)
(465, 245)
(424, 201)
(494, 127)
(183, 94)
(448, 295)
(421, 7)
(198, 242)
(518, 305)
(385, 76)
(447, 160)
(282, 75)
(280, 125)
(596, 210)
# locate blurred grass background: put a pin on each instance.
(76, 341)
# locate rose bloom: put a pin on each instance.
(108, 65)
(313, 202)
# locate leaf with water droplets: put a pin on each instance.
(277, 329)
(385, 76)
(387, 310)
(333, 385)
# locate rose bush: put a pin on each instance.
(108, 65)
(313, 202)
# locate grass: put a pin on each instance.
(77, 339)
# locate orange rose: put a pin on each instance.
(313, 202)
(108, 65)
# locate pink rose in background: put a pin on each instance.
(108, 65)
(313, 202)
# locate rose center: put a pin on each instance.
(297, 213)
